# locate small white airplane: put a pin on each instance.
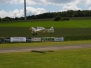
(37, 30)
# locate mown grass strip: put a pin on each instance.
(11, 45)
(59, 32)
(48, 23)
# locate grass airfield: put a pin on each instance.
(71, 30)
(59, 32)
(69, 58)
(75, 58)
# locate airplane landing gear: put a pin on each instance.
(33, 34)
(36, 33)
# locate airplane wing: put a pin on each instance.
(37, 30)
(51, 30)
(40, 29)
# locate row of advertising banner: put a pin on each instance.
(38, 39)
(2, 40)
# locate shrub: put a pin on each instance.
(65, 18)
(57, 18)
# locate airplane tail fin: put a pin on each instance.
(52, 29)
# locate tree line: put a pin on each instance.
(69, 13)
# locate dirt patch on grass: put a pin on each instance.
(44, 48)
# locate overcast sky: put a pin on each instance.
(15, 8)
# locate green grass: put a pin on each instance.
(48, 23)
(59, 32)
(12, 45)
(71, 30)
(77, 58)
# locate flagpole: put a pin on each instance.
(25, 10)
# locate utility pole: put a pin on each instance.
(25, 10)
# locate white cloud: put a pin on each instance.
(43, 2)
(63, 3)
(89, 8)
(4, 1)
(29, 2)
(66, 4)
(59, 2)
(88, 2)
(15, 13)
(84, 2)
(20, 13)
(70, 7)
(35, 11)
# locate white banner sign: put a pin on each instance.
(36, 39)
(18, 39)
(59, 39)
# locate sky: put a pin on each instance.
(15, 8)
